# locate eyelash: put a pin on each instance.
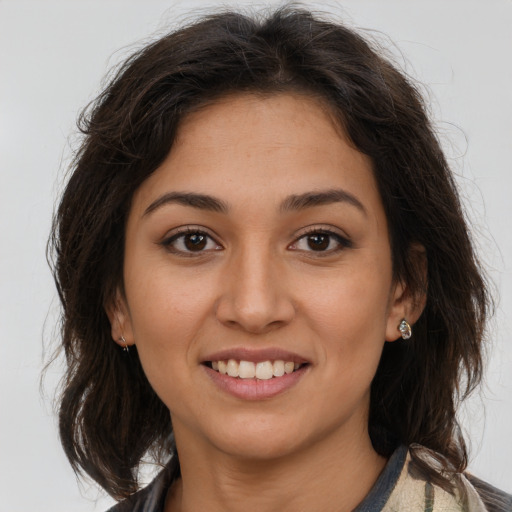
(181, 234)
(343, 242)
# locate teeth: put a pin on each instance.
(232, 368)
(264, 370)
(247, 370)
(222, 367)
(278, 368)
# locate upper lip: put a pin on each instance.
(255, 355)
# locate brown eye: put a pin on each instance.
(321, 242)
(318, 241)
(195, 241)
(189, 242)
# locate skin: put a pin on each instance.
(259, 283)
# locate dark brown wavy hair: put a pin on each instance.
(110, 417)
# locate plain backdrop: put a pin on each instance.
(53, 55)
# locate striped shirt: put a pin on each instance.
(396, 490)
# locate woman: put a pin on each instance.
(267, 280)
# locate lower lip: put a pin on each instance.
(256, 389)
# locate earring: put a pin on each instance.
(405, 329)
(125, 348)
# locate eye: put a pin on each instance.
(321, 241)
(189, 241)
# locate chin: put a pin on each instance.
(260, 438)
(258, 447)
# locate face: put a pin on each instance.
(260, 248)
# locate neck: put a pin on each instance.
(330, 475)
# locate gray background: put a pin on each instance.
(53, 55)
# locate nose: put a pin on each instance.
(255, 297)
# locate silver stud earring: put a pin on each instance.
(125, 348)
(405, 329)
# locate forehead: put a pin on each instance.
(264, 122)
(247, 146)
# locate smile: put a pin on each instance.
(255, 374)
(263, 370)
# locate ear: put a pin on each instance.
(120, 321)
(406, 303)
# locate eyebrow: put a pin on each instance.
(294, 202)
(320, 198)
(200, 201)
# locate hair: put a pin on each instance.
(109, 416)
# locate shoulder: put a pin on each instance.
(415, 493)
(149, 499)
(494, 499)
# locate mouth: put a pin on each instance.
(261, 370)
(255, 373)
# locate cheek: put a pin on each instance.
(167, 314)
(352, 301)
(162, 297)
(350, 317)
(164, 334)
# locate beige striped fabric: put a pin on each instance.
(416, 495)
